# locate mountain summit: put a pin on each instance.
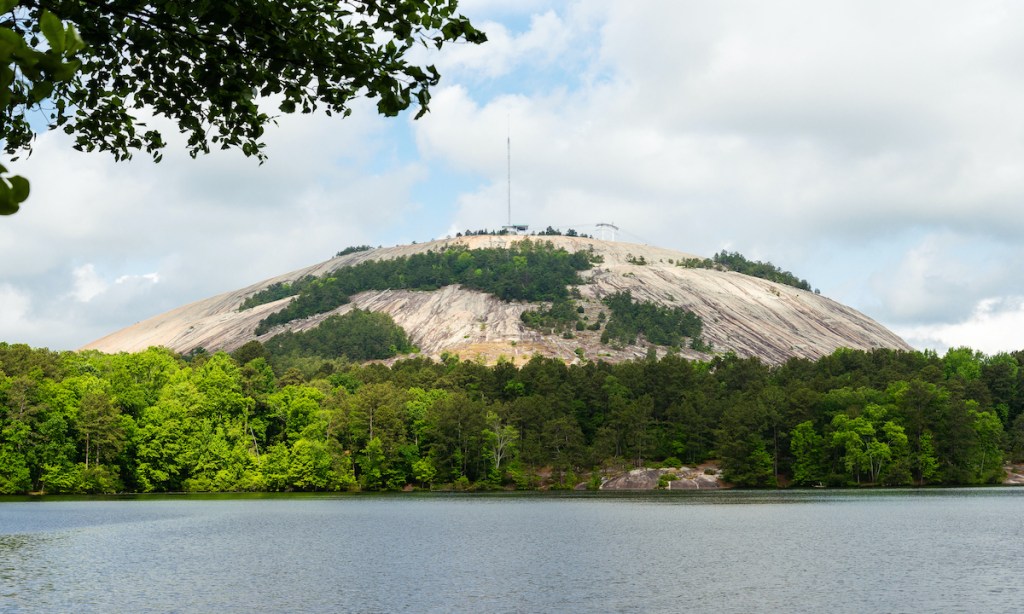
(739, 313)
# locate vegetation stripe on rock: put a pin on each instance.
(527, 271)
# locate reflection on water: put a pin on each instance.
(856, 551)
(21, 576)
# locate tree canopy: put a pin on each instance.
(260, 420)
(211, 66)
(735, 261)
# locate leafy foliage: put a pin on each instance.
(353, 249)
(28, 76)
(276, 292)
(88, 422)
(357, 335)
(560, 317)
(547, 232)
(527, 271)
(734, 261)
(668, 326)
(210, 66)
(554, 232)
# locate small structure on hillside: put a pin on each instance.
(515, 229)
(605, 229)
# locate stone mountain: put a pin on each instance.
(742, 314)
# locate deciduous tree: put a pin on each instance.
(212, 67)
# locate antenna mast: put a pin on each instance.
(508, 151)
(510, 227)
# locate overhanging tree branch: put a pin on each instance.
(207, 64)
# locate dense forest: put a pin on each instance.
(155, 421)
(357, 335)
(660, 325)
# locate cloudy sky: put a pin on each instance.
(874, 148)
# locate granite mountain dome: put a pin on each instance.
(746, 315)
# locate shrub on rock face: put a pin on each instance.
(666, 326)
(357, 335)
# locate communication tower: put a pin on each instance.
(510, 227)
(605, 229)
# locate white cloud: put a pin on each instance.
(996, 325)
(152, 278)
(829, 117)
(944, 276)
(543, 42)
(87, 284)
(16, 306)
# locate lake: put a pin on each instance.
(794, 551)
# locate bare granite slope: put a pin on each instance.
(743, 314)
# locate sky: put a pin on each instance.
(874, 148)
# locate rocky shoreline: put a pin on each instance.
(703, 477)
(708, 476)
(1014, 475)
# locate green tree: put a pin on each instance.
(310, 467)
(456, 426)
(275, 467)
(250, 351)
(986, 455)
(137, 379)
(418, 407)
(500, 440)
(1001, 374)
(99, 423)
(219, 381)
(295, 408)
(19, 417)
(964, 363)
(356, 335)
(924, 463)
(160, 444)
(897, 472)
(15, 477)
(371, 465)
(851, 438)
(921, 406)
(743, 439)
(808, 450)
(423, 471)
(210, 67)
(562, 442)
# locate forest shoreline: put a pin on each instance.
(86, 422)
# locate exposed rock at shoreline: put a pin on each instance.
(1014, 475)
(704, 477)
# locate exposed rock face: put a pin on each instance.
(1014, 475)
(704, 477)
(742, 314)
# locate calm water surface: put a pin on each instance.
(835, 551)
